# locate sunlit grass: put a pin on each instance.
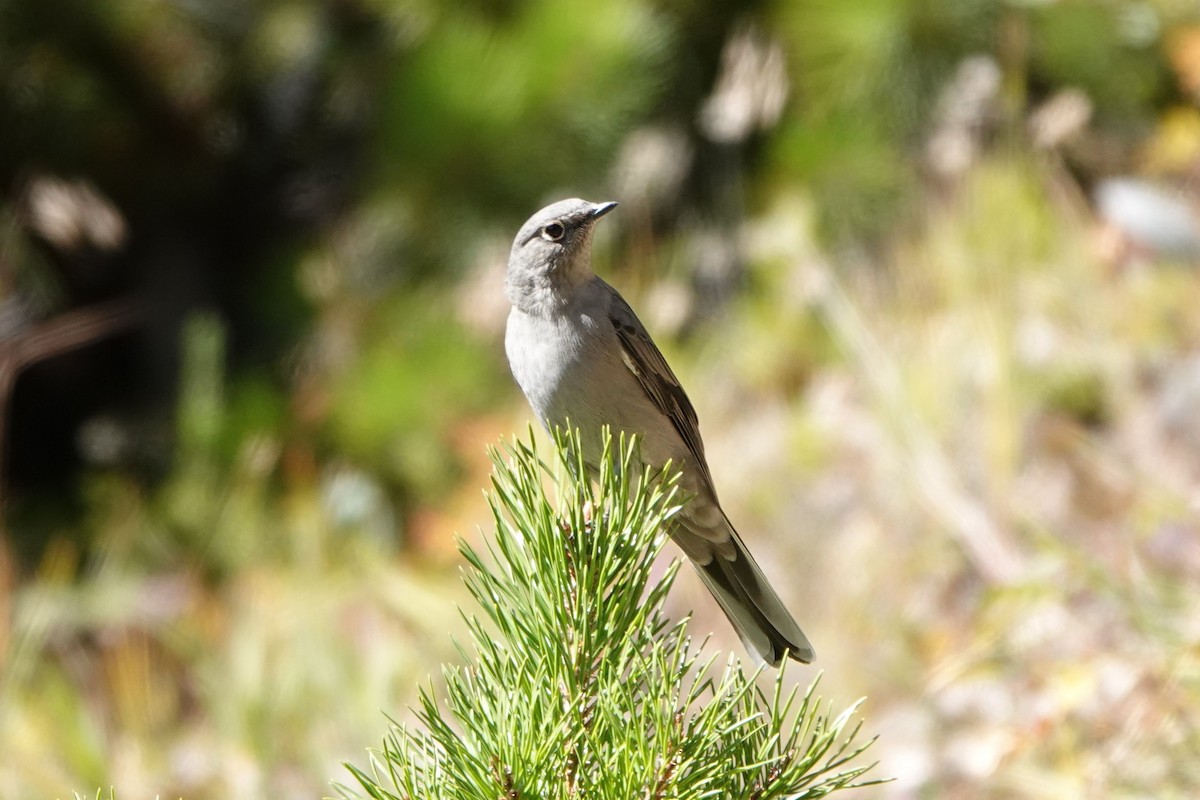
(995, 433)
(229, 634)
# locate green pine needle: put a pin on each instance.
(577, 685)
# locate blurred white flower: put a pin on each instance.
(963, 109)
(354, 500)
(751, 90)
(1060, 118)
(651, 167)
(72, 215)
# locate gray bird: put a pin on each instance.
(579, 353)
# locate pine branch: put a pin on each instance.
(576, 683)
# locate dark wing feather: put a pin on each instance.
(644, 360)
(726, 566)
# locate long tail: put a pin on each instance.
(758, 615)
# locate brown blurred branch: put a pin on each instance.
(62, 334)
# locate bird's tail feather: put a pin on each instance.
(755, 610)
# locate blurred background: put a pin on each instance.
(928, 269)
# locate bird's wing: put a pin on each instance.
(642, 357)
(728, 569)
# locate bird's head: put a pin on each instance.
(552, 251)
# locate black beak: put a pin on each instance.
(600, 209)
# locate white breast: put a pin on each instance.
(547, 357)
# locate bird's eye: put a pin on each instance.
(553, 232)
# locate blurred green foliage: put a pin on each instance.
(866, 77)
(1109, 52)
(419, 374)
(557, 87)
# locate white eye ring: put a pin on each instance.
(553, 232)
